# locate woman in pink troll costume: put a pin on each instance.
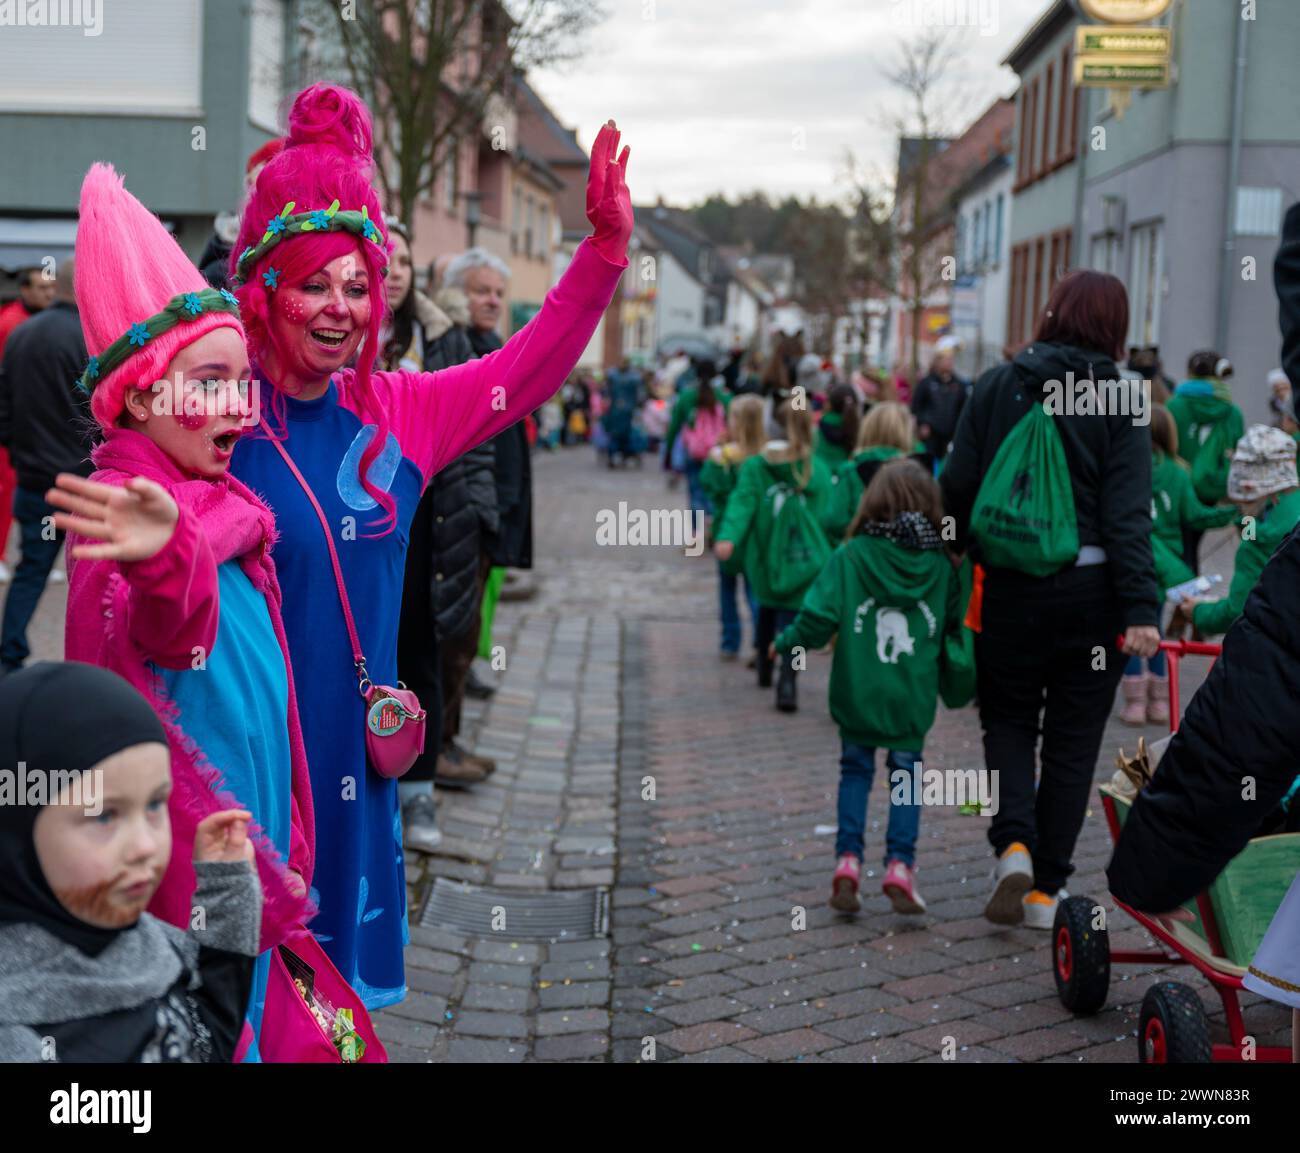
(311, 258)
(171, 582)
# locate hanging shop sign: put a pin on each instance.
(1125, 11)
(1121, 42)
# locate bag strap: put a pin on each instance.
(357, 656)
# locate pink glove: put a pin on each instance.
(609, 204)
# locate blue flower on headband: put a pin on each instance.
(372, 233)
(320, 220)
(193, 305)
(92, 369)
(230, 298)
(137, 334)
(275, 225)
(269, 278)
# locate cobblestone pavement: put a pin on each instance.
(722, 947)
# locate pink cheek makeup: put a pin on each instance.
(191, 422)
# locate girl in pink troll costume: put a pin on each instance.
(310, 260)
(171, 582)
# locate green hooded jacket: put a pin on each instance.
(1279, 516)
(1195, 416)
(847, 489)
(751, 513)
(718, 476)
(893, 608)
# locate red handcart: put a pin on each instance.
(1229, 920)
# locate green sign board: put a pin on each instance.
(1121, 41)
(1121, 72)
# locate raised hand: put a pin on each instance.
(134, 521)
(609, 204)
(223, 836)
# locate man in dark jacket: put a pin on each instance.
(937, 404)
(482, 277)
(45, 423)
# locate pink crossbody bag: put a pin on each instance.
(395, 722)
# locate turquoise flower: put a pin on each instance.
(193, 305)
(92, 369)
(137, 334)
(275, 225)
(230, 298)
(372, 233)
(270, 278)
(320, 220)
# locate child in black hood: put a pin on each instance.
(85, 973)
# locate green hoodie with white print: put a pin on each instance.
(894, 608)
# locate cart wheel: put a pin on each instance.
(1080, 956)
(1172, 1029)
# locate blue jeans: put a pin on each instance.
(727, 583)
(857, 769)
(696, 490)
(29, 580)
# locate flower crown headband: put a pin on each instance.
(289, 223)
(179, 310)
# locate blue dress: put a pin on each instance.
(234, 710)
(359, 883)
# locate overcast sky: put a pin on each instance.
(715, 95)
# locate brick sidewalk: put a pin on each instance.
(612, 677)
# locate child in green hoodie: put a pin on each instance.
(1209, 426)
(718, 476)
(838, 429)
(1175, 510)
(887, 431)
(1263, 481)
(771, 522)
(895, 599)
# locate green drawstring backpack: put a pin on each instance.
(1023, 517)
(797, 548)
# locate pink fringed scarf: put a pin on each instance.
(237, 525)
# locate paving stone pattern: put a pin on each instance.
(722, 945)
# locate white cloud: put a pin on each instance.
(710, 93)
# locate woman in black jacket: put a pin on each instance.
(442, 583)
(1045, 653)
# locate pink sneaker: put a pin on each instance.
(844, 885)
(899, 886)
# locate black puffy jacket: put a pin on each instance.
(513, 469)
(1109, 458)
(1232, 759)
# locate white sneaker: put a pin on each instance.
(1040, 909)
(57, 576)
(5, 575)
(1013, 877)
(420, 830)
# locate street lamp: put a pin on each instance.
(473, 212)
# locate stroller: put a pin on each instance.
(1230, 919)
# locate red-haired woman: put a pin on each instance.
(310, 264)
(1045, 653)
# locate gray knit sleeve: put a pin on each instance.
(227, 907)
(20, 1044)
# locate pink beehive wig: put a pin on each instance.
(327, 158)
(128, 267)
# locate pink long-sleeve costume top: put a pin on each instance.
(433, 418)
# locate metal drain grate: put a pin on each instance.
(573, 915)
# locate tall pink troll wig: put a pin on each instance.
(327, 158)
(128, 267)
